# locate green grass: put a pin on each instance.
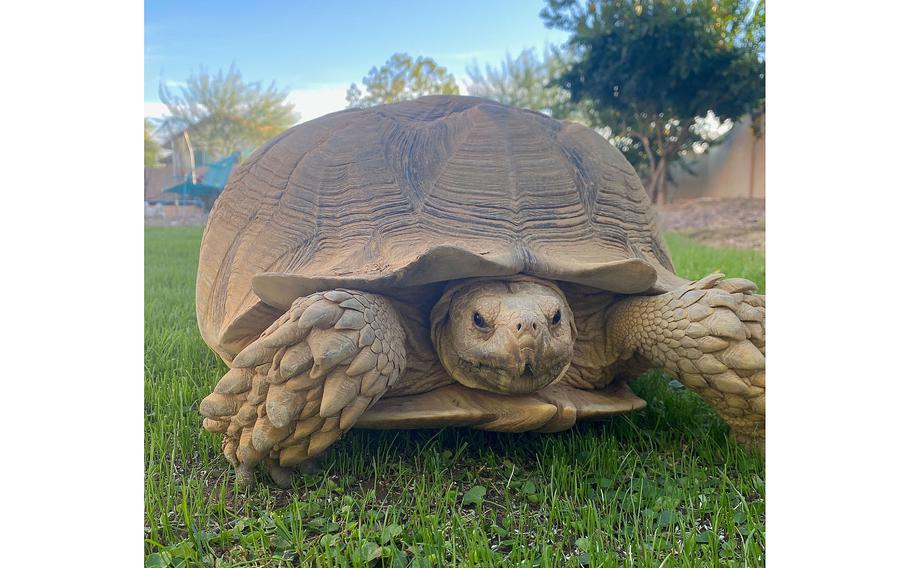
(665, 486)
(694, 261)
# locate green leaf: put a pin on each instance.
(583, 543)
(158, 560)
(474, 496)
(399, 559)
(528, 488)
(666, 518)
(280, 543)
(183, 550)
(370, 551)
(390, 532)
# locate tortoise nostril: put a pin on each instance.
(518, 327)
(534, 326)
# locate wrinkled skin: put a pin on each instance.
(505, 336)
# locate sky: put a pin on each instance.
(317, 49)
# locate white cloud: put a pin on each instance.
(155, 110)
(316, 101)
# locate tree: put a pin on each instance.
(529, 82)
(224, 114)
(402, 78)
(152, 149)
(654, 69)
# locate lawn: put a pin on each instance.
(665, 486)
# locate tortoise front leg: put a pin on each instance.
(306, 380)
(710, 335)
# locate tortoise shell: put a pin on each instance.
(419, 192)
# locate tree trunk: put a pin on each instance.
(657, 182)
(651, 188)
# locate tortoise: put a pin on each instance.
(451, 261)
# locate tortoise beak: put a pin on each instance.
(526, 332)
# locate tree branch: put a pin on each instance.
(646, 144)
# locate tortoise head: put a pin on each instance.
(506, 335)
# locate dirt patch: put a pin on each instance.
(736, 223)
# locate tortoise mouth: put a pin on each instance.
(528, 371)
(518, 379)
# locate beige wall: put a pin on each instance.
(735, 168)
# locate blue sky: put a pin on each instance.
(316, 49)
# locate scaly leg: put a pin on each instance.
(711, 336)
(306, 380)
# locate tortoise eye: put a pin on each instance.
(479, 321)
(557, 317)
